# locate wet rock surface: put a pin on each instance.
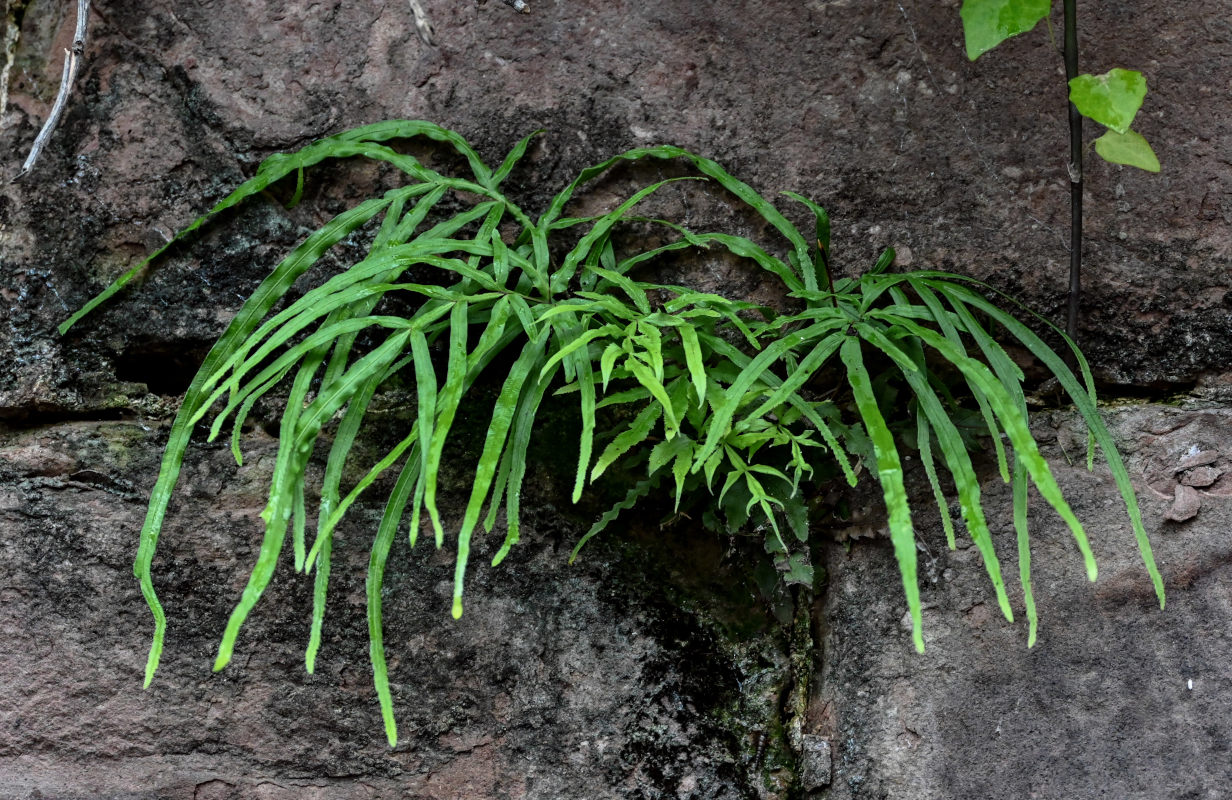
(592, 681)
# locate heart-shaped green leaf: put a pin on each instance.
(1111, 99)
(988, 23)
(1127, 148)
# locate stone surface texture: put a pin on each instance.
(558, 682)
(1116, 698)
(610, 678)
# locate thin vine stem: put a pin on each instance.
(1075, 173)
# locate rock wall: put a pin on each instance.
(1116, 698)
(617, 677)
(558, 682)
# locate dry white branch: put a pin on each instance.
(72, 63)
(422, 26)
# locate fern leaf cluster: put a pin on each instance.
(710, 396)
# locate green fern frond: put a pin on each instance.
(730, 404)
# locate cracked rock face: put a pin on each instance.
(564, 682)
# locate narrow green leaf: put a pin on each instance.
(646, 378)
(1007, 371)
(299, 432)
(299, 189)
(821, 216)
(597, 234)
(709, 168)
(338, 293)
(740, 246)
(890, 475)
(608, 360)
(411, 221)
(652, 340)
(637, 394)
(524, 314)
(320, 588)
(958, 461)
(375, 580)
(582, 367)
(447, 406)
(668, 451)
(755, 371)
(511, 160)
(924, 444)
(1083, 400)
(489, 226)
(611, 305)
(631, 436)
(311, 347)
(404, 129)
(511, 476)
(299, 524)
(258, 183)
(425, 394)
(268, 293)
(375, 471)
(578, 343)
(1016, 427)
(826, 347)
(503, 413)
(709, 468)
(344, 439)
(694, 360)
(639, 490)
(810, 413)
(245, 408)
(635, 292)
(1024, 550)
(680, 468)
(938, 314)
(284, 489)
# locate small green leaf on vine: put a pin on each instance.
(1127, 148)
(988, 23)
(1111, 99)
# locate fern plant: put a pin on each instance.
(712, 398)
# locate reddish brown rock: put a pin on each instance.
(1199, 459)
(1185, 504)
(1201, 477)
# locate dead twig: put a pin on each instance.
(422, 26)
(72, 63)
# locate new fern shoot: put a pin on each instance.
(719, 396)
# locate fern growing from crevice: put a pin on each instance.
(717, 393)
